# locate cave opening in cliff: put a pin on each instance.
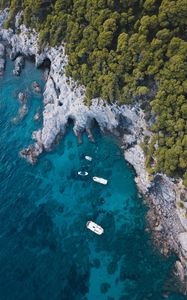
(29, 57)
(46, 64)
(71, 121)
(94, 124)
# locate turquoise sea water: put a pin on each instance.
(46, 252)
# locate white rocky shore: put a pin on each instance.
(64, 100)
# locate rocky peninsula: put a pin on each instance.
(64, 100)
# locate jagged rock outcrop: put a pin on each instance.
(23, 110)
(22, 97)
(135, 157)
(2, 59)
(36, 87)
(183, 241)
(163, 195)
(18, 65)
(2, 50)
(2, 66)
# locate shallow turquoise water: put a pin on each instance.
(46, 252)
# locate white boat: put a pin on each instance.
(94, 227)
(100, 180)
(82, 173)
(88, 158)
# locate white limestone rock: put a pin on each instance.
(2, 58)
(2, 65)
(183, 241)
(135, 157)
(63, 99)
(18, 65)
(2, 50)
(180, 270)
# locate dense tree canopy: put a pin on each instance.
(126, 51)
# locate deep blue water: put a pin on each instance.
(46, 252)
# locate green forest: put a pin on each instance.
(129, 51)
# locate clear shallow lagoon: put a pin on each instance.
(46, 252)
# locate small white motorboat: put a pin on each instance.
(94, 227)
(88, 158)
(100, 180)
(82, 173)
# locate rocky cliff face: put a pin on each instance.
(64, 100)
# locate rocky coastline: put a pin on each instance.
(64, 100)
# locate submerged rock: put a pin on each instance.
(36, 87)
(105, 287)
(47, 166)
(96, 263)
(23, 110)
(31, 153)
(22, 97)
(36, 116)
(112, 267)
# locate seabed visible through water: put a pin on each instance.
(46, 251)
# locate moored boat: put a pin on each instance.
(94, 227)
(100, 180)
(82, 173)
(88, 158)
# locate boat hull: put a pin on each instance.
(100, 180)
(89, 158)
(94, 227)
(82, 173)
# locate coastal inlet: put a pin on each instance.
(46, 251)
